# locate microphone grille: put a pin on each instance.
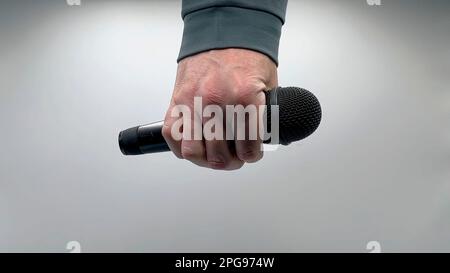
(300, 114)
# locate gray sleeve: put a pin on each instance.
(218, 24)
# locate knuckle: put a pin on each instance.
(178, 98)
(183, 92)
(230, 165)
(218, 162)
(218, 165)
(245, 94)
(213, 96)
(190, 154)
(244, 87)
(250, 156)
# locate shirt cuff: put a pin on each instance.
(231, 27)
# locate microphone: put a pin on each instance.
(300, 115)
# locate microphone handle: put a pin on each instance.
(144, 139)
(151, 139)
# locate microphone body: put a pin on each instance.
(299, 116)
(144, 139)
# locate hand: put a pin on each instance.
(220, 77)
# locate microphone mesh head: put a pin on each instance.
(300, 114)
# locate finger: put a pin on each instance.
(249, 151)
(194, 151)
(220, 157)
(249, 143)
(170, 124)
(219, 154)
(192, 146)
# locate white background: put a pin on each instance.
(378, 168)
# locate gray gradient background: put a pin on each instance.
(377, 169)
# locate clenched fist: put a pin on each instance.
(219, 77)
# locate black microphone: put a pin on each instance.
(299, 116)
